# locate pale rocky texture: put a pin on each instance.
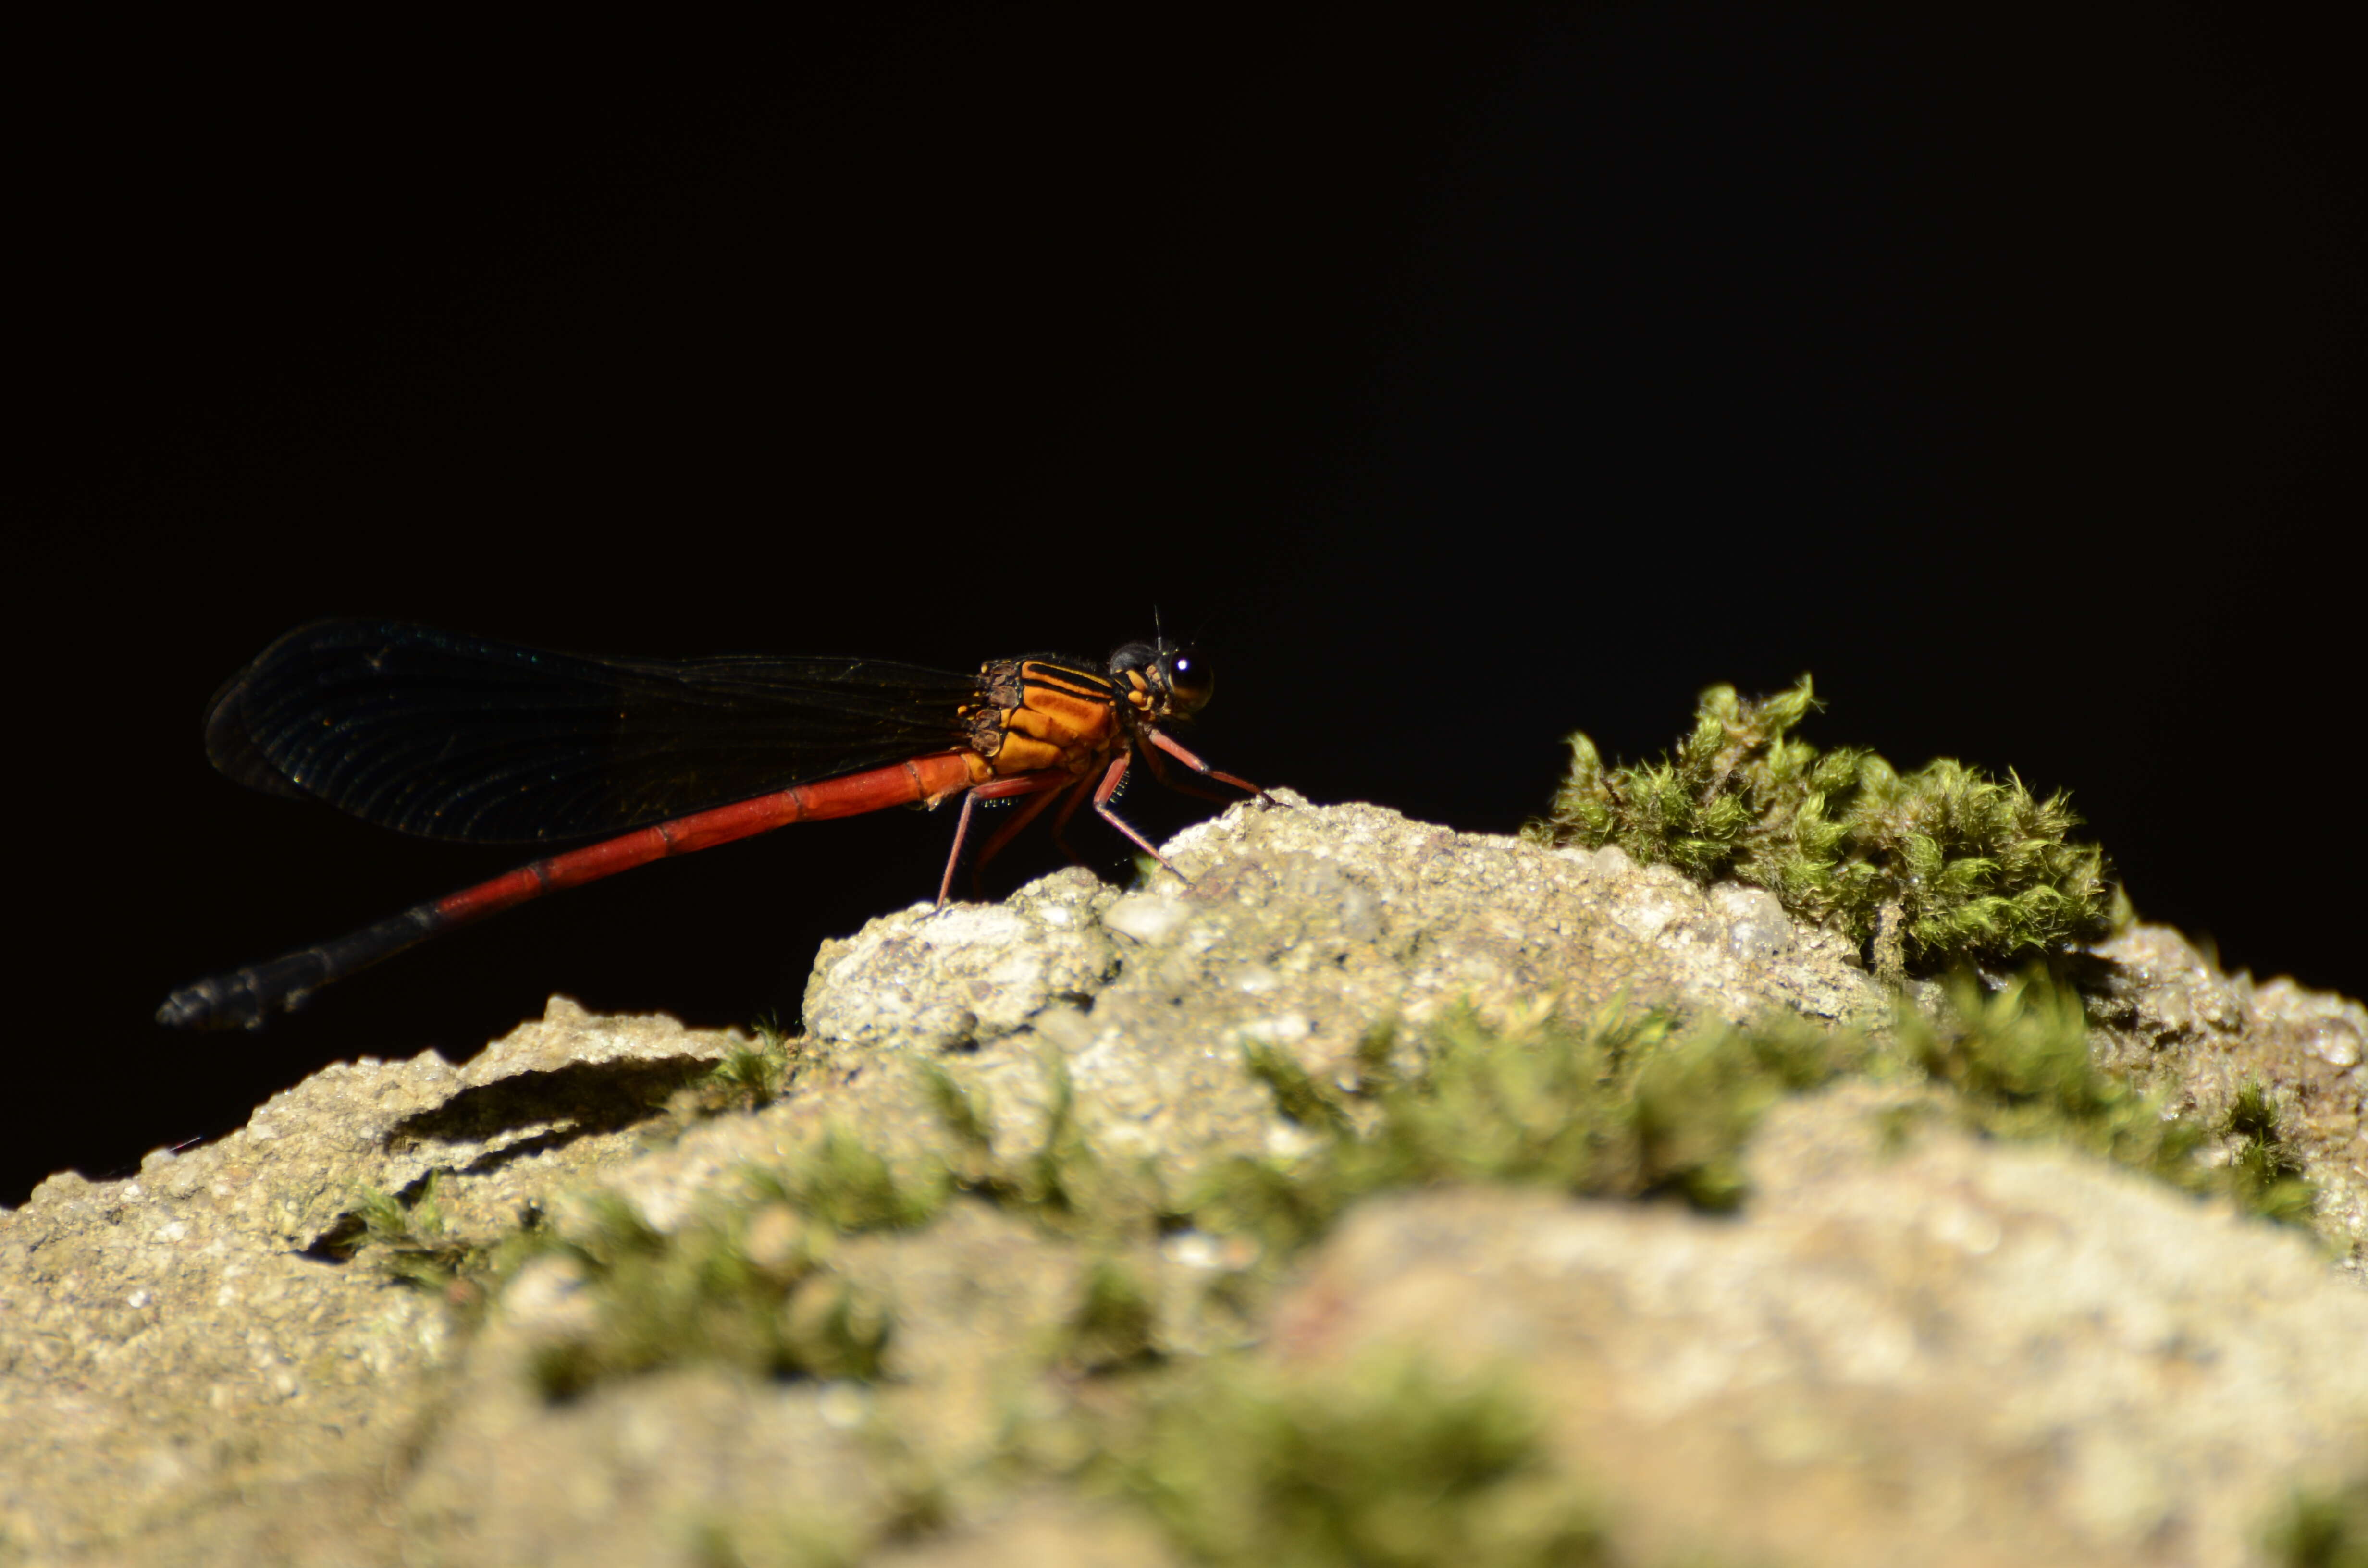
(168, 1349)
(1950, 1354)
(1302, 930)
(187, 1376)
(2173, 1021)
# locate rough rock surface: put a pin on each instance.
(169, 1350)
(1954, 1354)
(2034, 1358)
(2176, 1023)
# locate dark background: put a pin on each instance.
(1472, 383)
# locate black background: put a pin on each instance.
(1471, 382)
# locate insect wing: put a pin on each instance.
(450, 737)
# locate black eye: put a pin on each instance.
(1190, 682)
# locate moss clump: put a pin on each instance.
(410, 1241)
(1115, 1323)
(1062, 1183)
(1622, 1106)
(1930, 868)
(846, 1185)
(2019, 1060)
(748, 1282)
(748, 1285)
(1391, 1466)
(750, 1077)
(2324, 1530)
(1638, 1107)
(2263, 1172)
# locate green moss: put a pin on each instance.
(2018, 1059)
(1115, 1323)
(2025, 1046)
(1694, 1106)
(1296, 1093)
(747, 1285)
(1396, 1465)
(410, 1241)
(774, 1541)
(850, 1186)
(2324, 1528)
(962, 1113)
(2265, 1173)
(1622, 1106)
(1636, 1106)
(1930, 868)
(1062, 1183)
(747, 1282)
(751, 1076)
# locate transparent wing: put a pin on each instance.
(451, 736)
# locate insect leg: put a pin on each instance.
(997, 789)
(1167, 743)
(1011, 829)
(1113, 778)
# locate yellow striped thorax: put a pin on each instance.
(1048, 711)
(1036, 714)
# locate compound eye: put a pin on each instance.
(1190, 682)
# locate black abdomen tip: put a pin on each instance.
(226, 1001)
(220, 1001)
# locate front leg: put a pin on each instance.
(1160, 770)
(1174, 748)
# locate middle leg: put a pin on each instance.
(1041, 785)
(1018, 825)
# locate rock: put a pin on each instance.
(1042, 1533)
(172, 1343)
(1984, 1343)
(1301, 929)
(642, 1472)
(2172, 1020)
(1957, 1353)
